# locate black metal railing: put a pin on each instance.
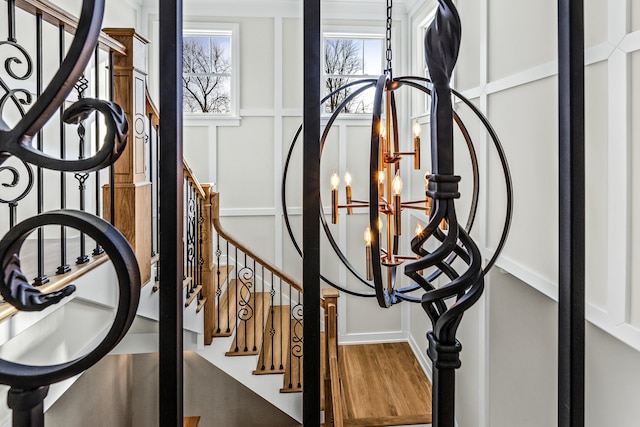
(193, 199)
(30, 112)
(257, 303)
(26, 189)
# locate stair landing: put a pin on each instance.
(383, 385)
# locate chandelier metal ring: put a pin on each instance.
(424, 85)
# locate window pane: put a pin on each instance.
(363, 103)
(203, 56)
(343, 57)
(373, 57)
(207, 94)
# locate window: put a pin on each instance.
(348, 58)
(209, 70)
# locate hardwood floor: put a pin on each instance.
(383, 385)
(191, 421)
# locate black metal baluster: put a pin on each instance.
(41, 279)
(11, 5)
(229, 290)
(272, 332)
(291, 337)
(112, 172)
(256, 309)
(98, 249)
(571, 282)
(82, 177)
(200, 260)
(158, 194)
(218, 284)
(153, 237)
(63, 267)
(238, 293)
(282, 335)
(249, 305)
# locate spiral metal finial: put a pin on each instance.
(442, 43)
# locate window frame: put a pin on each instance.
(210, 29)
(351, 33)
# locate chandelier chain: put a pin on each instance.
(389, 53)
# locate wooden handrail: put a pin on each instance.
(57, 16)
(151, 109)
(333, 393)
(215, 219)
(188, 173)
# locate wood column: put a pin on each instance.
(132, 189)
(332, 397)
(207, 268)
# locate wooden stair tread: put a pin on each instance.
(192, 295)
(370, 388)
(249, 333)
(220, 275)
(224, 322)
(275, 347)
(201, 303)
(293, 375)
(186, 282)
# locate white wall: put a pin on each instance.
(507, 66)
(245, 157)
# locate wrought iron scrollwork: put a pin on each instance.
(29, 384)
(19, 97)
(245, 310)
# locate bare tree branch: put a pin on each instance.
(205, 66)
(342, 57)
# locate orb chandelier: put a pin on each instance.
(447, 290)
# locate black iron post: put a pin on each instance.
(571, 282)
(171, 256)
(311, 210)
(27, 406)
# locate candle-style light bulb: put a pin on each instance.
(347, 181)
(416, 145)
(335, 181)
(397, 185)
(383, 145)
(368, 237)
(418, 229)
(380, 183)
(417, 129)
(379, 224)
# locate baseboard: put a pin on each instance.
(421, 355)
(372, 337)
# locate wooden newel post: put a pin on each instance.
(132, 188)
(208, 277)
(330, 303)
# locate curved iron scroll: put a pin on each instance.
(29, 384)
